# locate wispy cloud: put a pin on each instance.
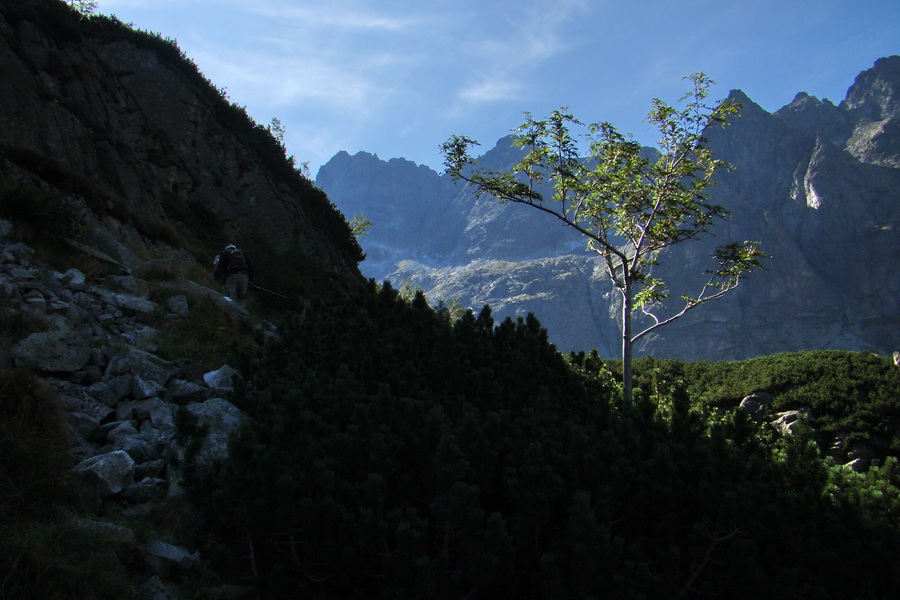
(507, 60)
(345, 15)
(492, 90)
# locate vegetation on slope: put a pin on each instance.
(47, 547)
(392, 453)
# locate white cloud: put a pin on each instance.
(335, 15)
(492, 90)
(510, 58)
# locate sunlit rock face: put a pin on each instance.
(817, 184)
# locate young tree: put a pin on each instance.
(629, 207)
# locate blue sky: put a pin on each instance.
(398, 77)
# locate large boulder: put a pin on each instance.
(787, 422)
(147, 366)
(221, 380)
(108, 473)
(173, 555)
(757, 405)
(221, 418)
(53, 351)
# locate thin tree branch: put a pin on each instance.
(690, 304)
(707, 558)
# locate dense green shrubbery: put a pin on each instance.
(853, 395)
(394, 454)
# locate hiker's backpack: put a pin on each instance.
(236, 261)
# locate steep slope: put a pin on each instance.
(815, 183)
(122, 171)
(146, 150)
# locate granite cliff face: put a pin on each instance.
(817, 184)
(148, 151)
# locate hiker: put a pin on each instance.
(234, 270)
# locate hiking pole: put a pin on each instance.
(262, 289)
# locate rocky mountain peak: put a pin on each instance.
(815, 183)
(875, 94)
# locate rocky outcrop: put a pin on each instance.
(146, 151)
(815, 183)
(95, 350)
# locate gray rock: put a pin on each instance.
(147, 366)
(119, 429)
(757, 405)
(175, 555)
(35, 300)
(221, 380)
(183, 392)
(107, 245)
(129, 284)
(156, 589)
(141, 390)
(143, 338)
(124, 412)
(98, 358)
(83, 403)
(120, 386)
(73, 279)
(101, 391)
(85, 425)
(88, 376)
(179, 305)
(21, 252)
(139, 447)
(162, 419)
(23, 273)
(108, 473)
(157, 268)
(132, 304)
(146, 490)
(786, 422)
(222, 418)
(53, 351)
(143, 408)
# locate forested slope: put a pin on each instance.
(395, 453)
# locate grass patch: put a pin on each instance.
(16, 324)
(44, 552)
(212, 335)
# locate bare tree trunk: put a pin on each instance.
(627, 303)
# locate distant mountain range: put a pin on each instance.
(817, 184)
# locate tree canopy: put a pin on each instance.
(629, 204)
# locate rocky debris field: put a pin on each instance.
(96, 352)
